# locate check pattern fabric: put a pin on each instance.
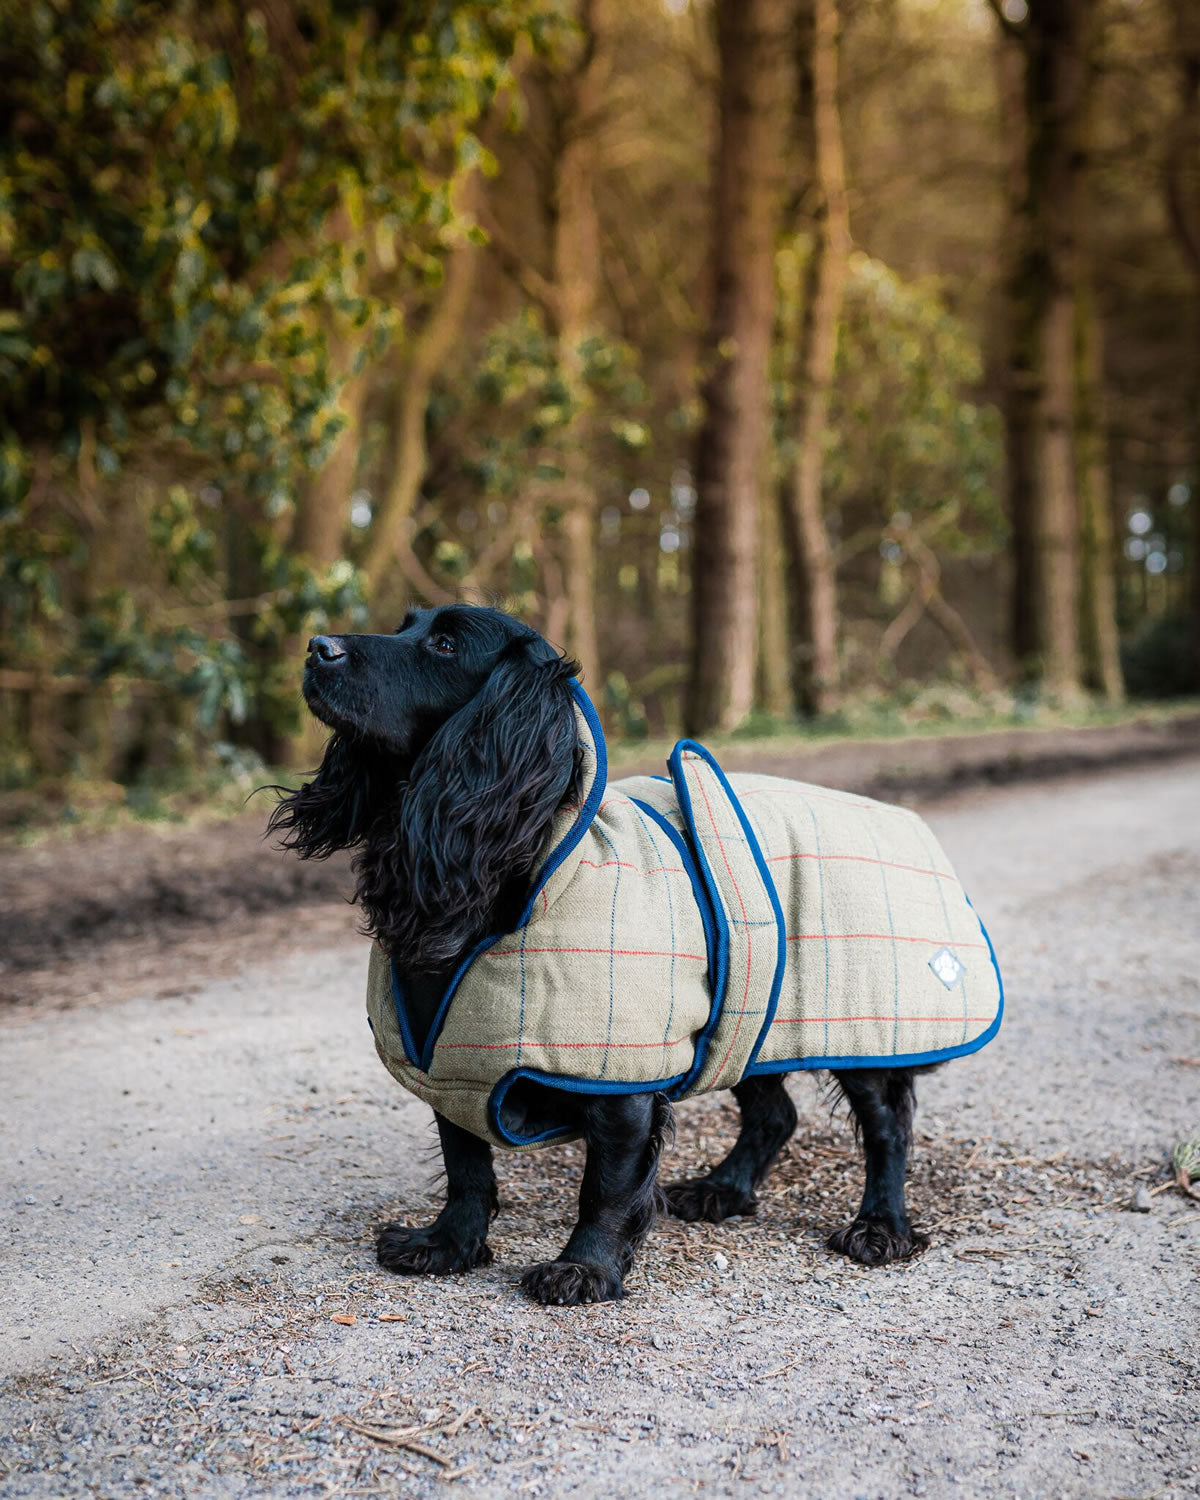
(699, 929)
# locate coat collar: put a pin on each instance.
(563, 852)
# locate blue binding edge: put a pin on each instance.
(902, 1060)
(684, 798)
(570, 1086)
(717, 950)
(675, 765)
(699, 890)
(673, 1086)
(581, 825)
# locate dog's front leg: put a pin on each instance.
(457, 1238)
(624, 1135)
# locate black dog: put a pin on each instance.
(454, 744)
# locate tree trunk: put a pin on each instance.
(388, 548)
(774, 651)
(87, 721)
(576, 275)
(1183, 205)
(1101, 646)
(323, 507)
(1039, 406)
(818, 352)
(731, 450)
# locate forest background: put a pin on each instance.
(830, 362)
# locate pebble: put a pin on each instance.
(720, 1262)
(1141, 1202)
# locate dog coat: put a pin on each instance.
(682, 934)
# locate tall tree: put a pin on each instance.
(1100, 641)
(1183, 202)
(432, 327)
(731, 451)
(817, 584)
(575, 231)
(1054, 42)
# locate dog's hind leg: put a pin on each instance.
(624, 1134)
(457, 1238)
(883, 1103)
(768, 1119)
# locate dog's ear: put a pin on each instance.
(477, 809)
(336, 808)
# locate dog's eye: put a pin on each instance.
(443, 645)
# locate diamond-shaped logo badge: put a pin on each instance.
(947, 967)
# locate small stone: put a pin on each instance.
(720, 1262)
(657, 1341)
(1141, 1202)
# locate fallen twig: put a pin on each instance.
(399, 1437)
(791, 1365)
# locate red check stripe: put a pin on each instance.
(619, 952)
(821, 1020)
(507, 1046)
(620, 864)
(885, 937)
(865, 859)
(843, 799)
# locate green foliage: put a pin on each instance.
(183, 202)
(910, 433)
(511, 426)
(907, 433)
(203, 207)
(526, 406)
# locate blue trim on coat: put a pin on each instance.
(903, 1060)
(672, 1087)
(699, 890)
(684, 798)
(768, 885)
(583, 822)
(568, 1085)
(406, 1036)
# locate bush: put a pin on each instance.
(1160, 660)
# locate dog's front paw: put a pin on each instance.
(567, 1283)
(873, 1242)
(427, 1252)
(701, 1198)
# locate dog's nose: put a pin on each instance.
(325, 648)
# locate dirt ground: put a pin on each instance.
(197, 1139)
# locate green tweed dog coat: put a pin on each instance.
(682, 934)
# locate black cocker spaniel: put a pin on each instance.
(454, 744)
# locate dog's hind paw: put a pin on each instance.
(701, 1198)
(873, 1242)
(568, 1283)
(426, 1252)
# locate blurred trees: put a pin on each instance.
(212, 219)
(1049, 130)
(816, 351)
(1183, 203)
(731, 452)
(311, 308)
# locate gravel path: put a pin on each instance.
(189, 1303)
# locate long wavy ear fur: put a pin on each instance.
(335, 810)
(476, 812)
